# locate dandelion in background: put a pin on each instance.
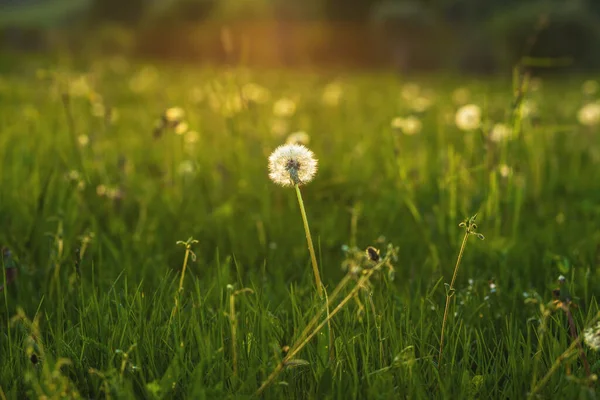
(468, 117)
(590, 87)
(299, 137)
(284, 108)
(410, 125)
(500, 132)
(295, 165)
(174, 115)
(591, 337)
(589, 114)
(83, 140)
(528, 108)
(255, 93)
(332, 94)
(461, 96)
(504, 170)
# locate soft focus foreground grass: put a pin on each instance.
(108, 312)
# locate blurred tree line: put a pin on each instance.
(472, 35)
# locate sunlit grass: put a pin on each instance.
(99, 182)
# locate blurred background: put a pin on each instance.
(467, 36)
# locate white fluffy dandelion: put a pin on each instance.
(468, 117)
(292, 164)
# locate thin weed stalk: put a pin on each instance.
(470, 229)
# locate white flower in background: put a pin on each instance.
(299, 137)
(529, 108)
(421, 103)
(461, 96)
(83, 140)
(181, 128)
(500, 132)
(186, 168)
(590, 87)
(410, 125)
(292, 164)
(191, 137)
(589, 114)
(332, 94)
(410, 91)
(174, 114)
(468, 117)
(504, 170)
(591, 337)
(284, 108)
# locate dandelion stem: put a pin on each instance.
(311, 249)
(449, 294)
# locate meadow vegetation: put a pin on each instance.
(117, 177)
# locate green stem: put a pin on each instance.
(311, 249)
(449, 295)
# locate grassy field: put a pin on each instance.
(108, 171)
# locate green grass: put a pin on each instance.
(98, 277)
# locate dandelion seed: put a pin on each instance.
(500, 132)
(292, 164)
(591, 337)
(589, 114)
(468, 117)
(299, 137)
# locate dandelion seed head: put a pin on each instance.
(292, 164)
(468, 117)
